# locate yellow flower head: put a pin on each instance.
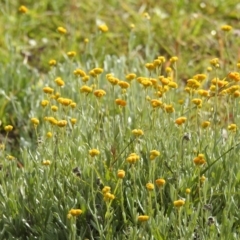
(121, 102)
(154, 154)
(131, 76)
(173, 59)
(169, 108)
(71, 54)
(199, 160)
(205, 124)
(143, 218)
(150, 66)
(150, 186)
(73, 121)
(8, 128)
(62, 123)
(49, 134)
(202, 179)
(180, 120)
(52, 62)
(160, 182)
(54, 108)
(59, 82)
(34, 121)
(44, 103)
(75, 212)
(121, 174)
(108, 197)
(103, 28)
(214, 62)
(79, 72)
(10, 157)
(188, 190)
(232, 127)
(123, 84)
(226, 28)
(46, 162)
(178, 203)
(48, 90)
(99, 93)
(62, 30)
(106, 189)
(133, 158)
(137, 132)
(85, 89)
(23, 9)
(97, 71)
(94, 152)
(197, 102)
(156, 103)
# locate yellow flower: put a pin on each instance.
(204, 93)
(137, 132)
(226, 28)
(54, 108)
(71, 54)
(143, 218)
(52, 62)
(234, 76)
(162, 59)
(214, 62)
(199, 160)
(49, 134)
(106, 189)
(52, 120)
(73, 104)
(75, 212)
(123, 84)
(59, 82)
(79, 72)
(112, 80)
(10, 157)
(169, 108)
(65, 101)
(131, 76)
(146, 15)
(97, 71)
(94, 152)
(205, 124)
(8, 128)
(62, 30)
(133, 158)
(86, 40)
(173, 84)
(154, 154)
(156, 103)
(46, 162)
(22, 9)
(173, 59)
(232, 127)
(73, 121)
(188, 190)
(121, 174)
(48, 90)
(44, 103)
(197, 102)
(62, 123)
(160, 182)
(121, 102)
(202, 179)
(108, 196)
(179, 121)
(35, 121)
(178, 203)
(150, 66)
(85, 89)
(99, 93)
(103, 28)
(150, 186)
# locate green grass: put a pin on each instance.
(35, 199)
